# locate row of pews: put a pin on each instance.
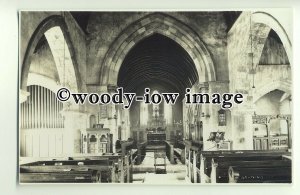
(86, 168)
(175, 152)
(238, 166)
(107, 168)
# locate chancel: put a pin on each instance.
(229, 120)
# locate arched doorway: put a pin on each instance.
(272, 121)
(161, 64)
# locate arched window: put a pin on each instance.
(92, 121)
(155, 113)
(168, 113)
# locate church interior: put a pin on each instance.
(247, 52)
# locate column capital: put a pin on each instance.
(66, 113)
(111, 88)
(202, 85)
(23, 95)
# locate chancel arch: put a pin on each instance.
(165, 25)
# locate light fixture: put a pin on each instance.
(222, 117)
(251, 54)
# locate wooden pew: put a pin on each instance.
(179, 154)
(129, 154)
(87, 176)
(192, 151)
(126, 147)
(122, 165)
(170, 152)
(260, 174)
(141, 152)
(209, 161)
(179, 151)
(118, 163)
(105, 168)
(219, 172)
(64, 171)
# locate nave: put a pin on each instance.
(235, 52)
(162, 166)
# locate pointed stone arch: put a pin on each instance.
(165, 25)
(54, 22)
(284, 86)
(262, 23)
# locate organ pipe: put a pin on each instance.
(38, 107)
(35, 107)
(48, 108)
(50, 111)
(41, 109)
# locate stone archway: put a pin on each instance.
(262, 24)
(55, 30)
(164, 25)
(280, 85)
(53, 23)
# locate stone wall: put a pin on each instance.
(42, 63)
(264, 80)
(104, 28)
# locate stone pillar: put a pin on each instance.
(195, 166)
(127, 168)
(75, 121)
(189, 166)
(242, 129)
(202, 174)
(171, 152)
(213, 174)
(121, 169)
(186, 153)
(206, 115)
(112, 117)
(125, 126)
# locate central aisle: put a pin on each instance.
(145, 172)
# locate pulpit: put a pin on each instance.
(96, 140)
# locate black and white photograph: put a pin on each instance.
(155, 97)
